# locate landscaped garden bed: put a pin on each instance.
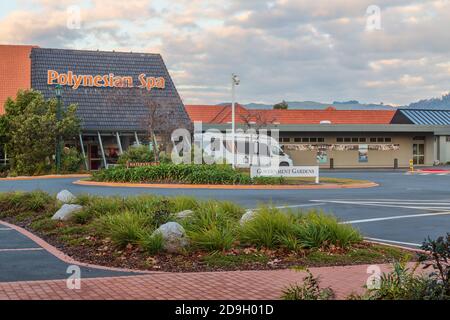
(123, 232)
(168, 173)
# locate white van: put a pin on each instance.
(249, 149)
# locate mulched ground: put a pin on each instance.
(103, 252)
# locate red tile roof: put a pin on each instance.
(222, 115)
(15, 71)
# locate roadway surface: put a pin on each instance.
(404, 209)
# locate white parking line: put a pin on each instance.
(22, 249)
(392, 241)
(300, 205)
(396, 217)
(409, 204)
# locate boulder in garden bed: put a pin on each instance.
(247, 216)
(173, 235)
(66, 196)
(66, 212)
(184, 214)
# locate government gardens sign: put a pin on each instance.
(303, 172)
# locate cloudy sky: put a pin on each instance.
(282, 49)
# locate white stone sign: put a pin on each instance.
(303, 171)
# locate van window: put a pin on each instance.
(229, 145)
(243, 146)
(215, 144)
(277, 151)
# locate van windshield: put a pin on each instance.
(276, 150)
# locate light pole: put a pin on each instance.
(58, 92)
(235, 81)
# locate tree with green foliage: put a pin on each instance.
(30, 130)
(283, 105)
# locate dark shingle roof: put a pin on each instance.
(97, 107)
(424, 117)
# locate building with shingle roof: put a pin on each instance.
(117, 93)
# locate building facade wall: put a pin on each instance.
(351, 158)
(15, 71)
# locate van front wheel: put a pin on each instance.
(284, 164)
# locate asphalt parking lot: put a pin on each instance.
(404, 209)
(21, 259)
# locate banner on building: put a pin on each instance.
(363, 153)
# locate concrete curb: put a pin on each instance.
(224, 187)
(65, 258)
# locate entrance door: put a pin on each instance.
(419, 153)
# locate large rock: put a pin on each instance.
(66, 196)
(184, 214)
(247, 216)
(174, 236)
(66, 212)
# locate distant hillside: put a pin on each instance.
(434, 103)
(308, 105)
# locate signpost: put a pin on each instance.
(302, 171)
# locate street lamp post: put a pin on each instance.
(58, 92)
(235, 81)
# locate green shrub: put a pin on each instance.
(406, 284)
(308, 290)
(71, 160)
(180, 173)
(212, 226)
(141, 153)
(181, 203)
(267, 228)
(316, 230)
(4, 170)
(125, 228)
(272, 227)
(152, 244)
(14, 203)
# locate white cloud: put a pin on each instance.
(282, 49)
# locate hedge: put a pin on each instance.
(181, 173)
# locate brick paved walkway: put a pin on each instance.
(239, 285)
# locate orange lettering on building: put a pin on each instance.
(103, 81)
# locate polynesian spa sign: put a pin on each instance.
(103, 81)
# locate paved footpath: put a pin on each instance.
(30, 268)
(235, 285)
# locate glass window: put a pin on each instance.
(347, 140)
(312, 139)
(373, 139)
(448, 139)
(362, 139)
(305, 139)
(380, 139)
(387, 139)
(297, 139)
(320, 139)
(340, 139)
(355, 139)
(215, 144)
